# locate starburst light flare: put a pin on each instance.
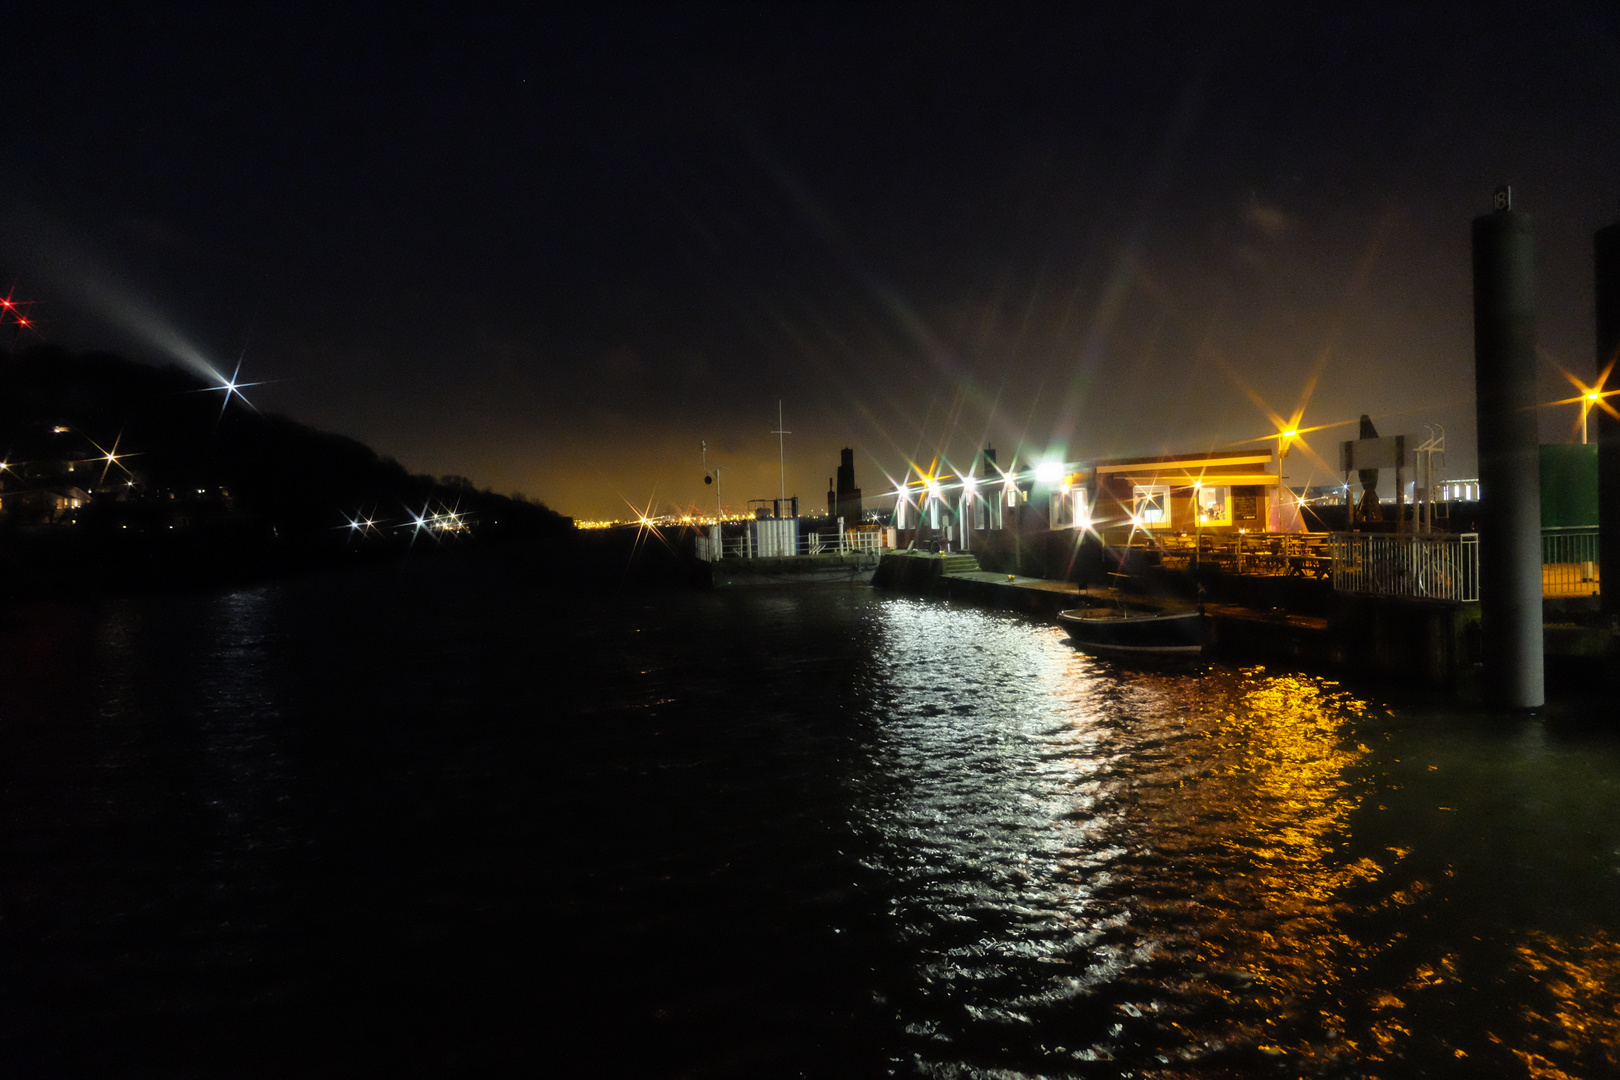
(109, 458)
(1590, 397)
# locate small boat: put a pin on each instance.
(1183, 633)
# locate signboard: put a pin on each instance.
(1388, 452)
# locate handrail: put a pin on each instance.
(1431, 566)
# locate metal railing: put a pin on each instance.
(1569, 561)
(1440, 566)
(1386, 564)
(1424, 567)
(746, 545)
(711, 548)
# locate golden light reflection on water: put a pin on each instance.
(1262, 792)
(1578, 1018)
(1204, 874)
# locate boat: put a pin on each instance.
(1176, 633)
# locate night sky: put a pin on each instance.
(551, 249)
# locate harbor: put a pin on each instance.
(1473, 585)
(1422, 641)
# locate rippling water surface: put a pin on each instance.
(436, 822)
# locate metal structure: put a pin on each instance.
(770, 538)
(1570, 562)
(781, 447)
(1414, 567)
(1606, 275)
(1509, 458)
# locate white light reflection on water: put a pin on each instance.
(1190, 874)
(818, 832)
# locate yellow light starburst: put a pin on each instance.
(1589, 397)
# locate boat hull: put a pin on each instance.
(1173, 634)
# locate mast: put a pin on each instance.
(781, 449)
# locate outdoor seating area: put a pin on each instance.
(1270, 554)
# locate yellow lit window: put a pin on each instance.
(1213, 505)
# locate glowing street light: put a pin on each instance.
(1590, 397)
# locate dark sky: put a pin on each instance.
(551, 248)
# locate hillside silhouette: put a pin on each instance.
(118, 473)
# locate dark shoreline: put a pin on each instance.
(66, 564)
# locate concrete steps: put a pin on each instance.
(960, 564)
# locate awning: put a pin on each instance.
(1179, 479)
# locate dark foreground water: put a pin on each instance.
(439, 822)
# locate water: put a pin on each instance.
(438, 821)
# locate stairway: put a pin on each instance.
(960, 564)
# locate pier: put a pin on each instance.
(1278, 617)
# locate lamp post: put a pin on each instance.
(712, 476)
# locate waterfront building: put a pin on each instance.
(1183, 493)
(1115, 498)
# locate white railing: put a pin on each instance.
(866, 542)
(841, 541)
(754, 543)
(712, 547)
(1569, 562)
(1432, 567)
(815, 543)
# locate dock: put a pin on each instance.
(1423, 641)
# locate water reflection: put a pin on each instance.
(1189, 873)
(827, 832)
(1580, 1022)
(195, 790)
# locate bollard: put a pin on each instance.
(1509, 473)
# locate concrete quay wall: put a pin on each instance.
(1425, 642)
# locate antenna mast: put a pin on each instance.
(716, 478)
(781, 448)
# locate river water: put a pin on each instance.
(440, 820)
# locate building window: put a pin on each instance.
(1213, 505)
(1150, 506)
(1070, 509)
(986, 511)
